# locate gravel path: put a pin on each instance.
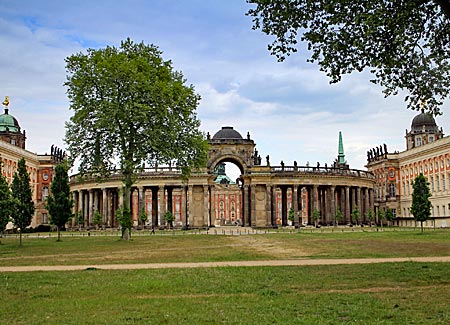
(298, 262)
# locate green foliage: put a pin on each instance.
(169, 218)
(78, 216)
(5, 201)
(370, 216)
(355, 214)
(381, 216)
(339, 216)
(22, 200)
(143, 216)
(131, 109)
(404, 44)
(421, 205)
(98, 218)
(315, 216)
(123, 215)
(389, 214)
(59, 202)
(291, 215)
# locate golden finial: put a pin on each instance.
(6, 101)
(422, 105)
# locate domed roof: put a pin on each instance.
(423, 120)
(8, 122)
(227, 132)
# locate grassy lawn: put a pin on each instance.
(201, 248)
(391, 293)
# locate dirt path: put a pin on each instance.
(298, 262)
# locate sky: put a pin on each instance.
(290, 109)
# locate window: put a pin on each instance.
(418, 142)
(432, 184)
(392, 190)
(394, 212)
(443, 182)
(437, 184)
(44, 192)
(13, 142)
(44, 218)
(430, 139)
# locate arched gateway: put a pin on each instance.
(261, 196)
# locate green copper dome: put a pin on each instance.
(8, 122)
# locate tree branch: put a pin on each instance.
(445, 6)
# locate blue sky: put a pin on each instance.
(289, 108)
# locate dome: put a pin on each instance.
(8, 122)
(227, 132)
(423, 120)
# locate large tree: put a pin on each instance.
(22, 204)
(405, 44)
(131, 110)
(5, 202)
(59, 202)
(421, 205)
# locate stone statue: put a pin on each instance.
(282, 165)
(208, 136)
(267, 160)
(248, 135)
(385, 149)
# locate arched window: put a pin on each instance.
(44, 192)
(392, 190)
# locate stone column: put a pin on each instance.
(332, 190)
(141, 201)
(206, 220)
(246, 205)
(347, 204)
(361, 208)
(190, 215)
(295, 205)
(183, 206)
(253, 205)
(110, 207)
(105, 205)
(269, 220)
(162, 204)
(315, 197)
(366, 199)
(75, 205)
(283, 206)
(212, 209)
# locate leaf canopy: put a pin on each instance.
(131, 109)
(404, 44)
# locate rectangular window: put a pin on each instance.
(437, 184)
(394, 213)
(44, 218)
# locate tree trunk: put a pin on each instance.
(59, 233)
(20, 238)
(421, 226)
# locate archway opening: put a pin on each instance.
(226, 195)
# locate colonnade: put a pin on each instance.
(198, 210)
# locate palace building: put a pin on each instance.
(39, 166)
(261, 197)
(428, 153)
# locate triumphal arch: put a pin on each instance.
(264, 195)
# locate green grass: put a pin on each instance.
(392, 293)
(389, 293)
(202, 248)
